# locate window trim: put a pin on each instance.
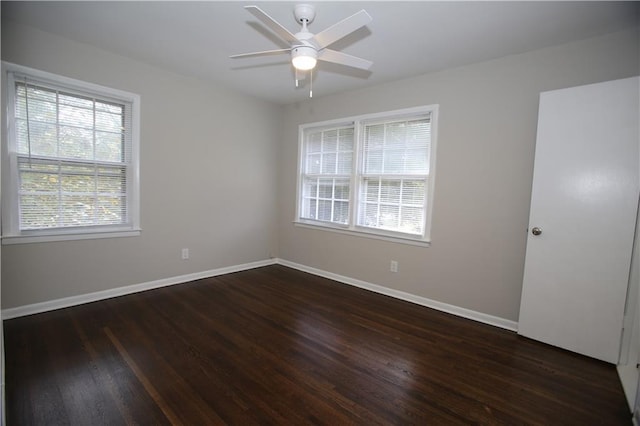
(11, 234)
(358, 123)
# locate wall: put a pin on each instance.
(207, 179)
(486, 141)
(488, 114)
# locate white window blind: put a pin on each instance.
(72, 157)
(327, 171)
(394, 176)
(373, 176)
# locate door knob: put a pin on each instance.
(536, 231)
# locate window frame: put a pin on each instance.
(357, 175)
(11, 234)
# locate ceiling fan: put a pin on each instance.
(306, 48)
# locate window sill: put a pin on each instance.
(67, 236)
(365, 234)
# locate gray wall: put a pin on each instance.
(488, 115)
(486, 141)
(207, 179)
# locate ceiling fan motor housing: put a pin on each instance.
(304, 13)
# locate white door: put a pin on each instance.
(583, 203)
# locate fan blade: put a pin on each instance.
(263, 53)
(342, 28)
(281, 31)
(336, 57)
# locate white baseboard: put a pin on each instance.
(440, 306)
(135, 288)
(66, 302)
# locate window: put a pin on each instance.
(371, 175)
(326, 180)
(72, 157)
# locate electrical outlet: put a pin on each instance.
(394, 266)
(185, 253)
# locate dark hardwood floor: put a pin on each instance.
(277, 346)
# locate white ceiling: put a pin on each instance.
(404, 39)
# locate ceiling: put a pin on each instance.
(403, 40)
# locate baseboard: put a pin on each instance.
(434, 304)
(121, 291)
(135, 288)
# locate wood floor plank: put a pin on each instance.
(274, 345)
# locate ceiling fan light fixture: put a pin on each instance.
(304, 58)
